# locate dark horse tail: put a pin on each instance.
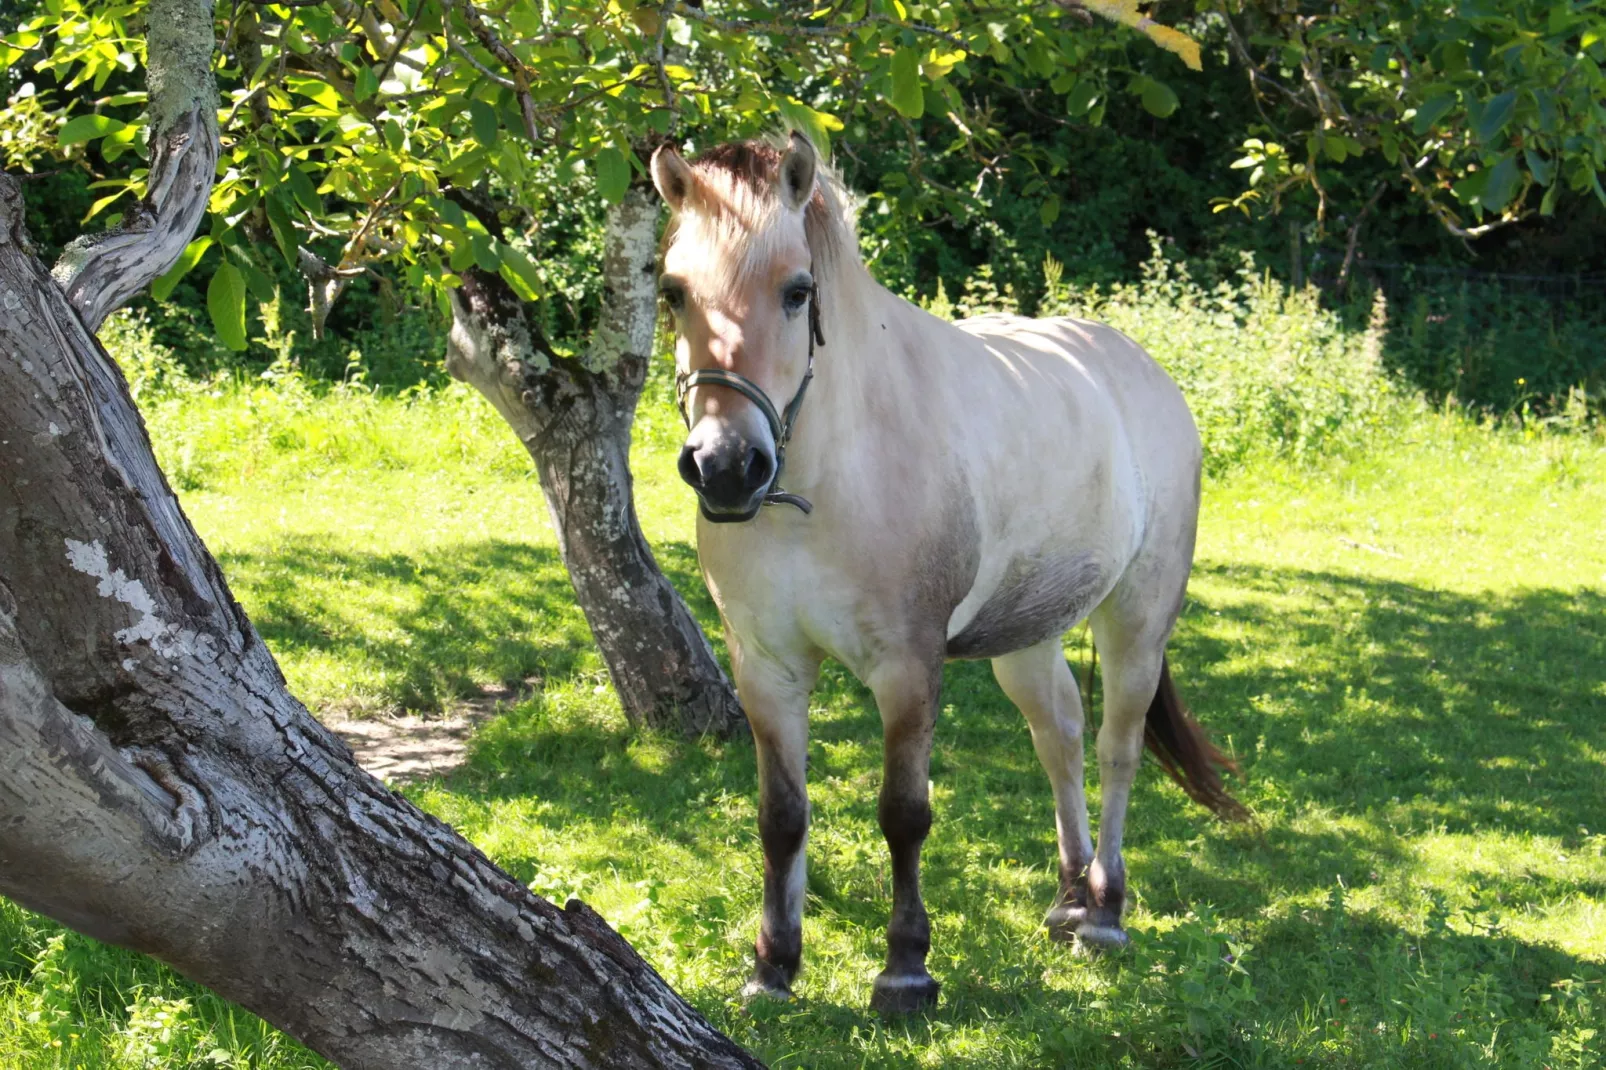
(1184, 751)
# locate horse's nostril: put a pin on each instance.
(689, 470)
(759, 467)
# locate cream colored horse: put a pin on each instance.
(966, 490)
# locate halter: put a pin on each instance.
(781, 423)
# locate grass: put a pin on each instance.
(1405, 646)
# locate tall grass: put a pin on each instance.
(1267, 370)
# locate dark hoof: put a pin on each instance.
(1063, 921)
(903, 993)
(1101, 939)
(759, 988)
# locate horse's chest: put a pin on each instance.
(1035, 599)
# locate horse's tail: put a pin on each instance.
(1184, 751)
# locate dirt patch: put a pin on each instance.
(405, 747)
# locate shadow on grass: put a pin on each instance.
(1366, 713)
(1390, 711)
(424, 629)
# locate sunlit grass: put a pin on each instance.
(1405, 647)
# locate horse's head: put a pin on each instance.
(738, 279)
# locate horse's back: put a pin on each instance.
(1083, 353)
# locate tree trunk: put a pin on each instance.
(574, 417)
(161, 789)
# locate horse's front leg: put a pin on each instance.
(776, 700)
(907, 695)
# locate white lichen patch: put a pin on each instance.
(167, 639)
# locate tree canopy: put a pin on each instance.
(356, 130)
(1486, 111)
(352, 130)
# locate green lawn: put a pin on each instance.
(1406, 650)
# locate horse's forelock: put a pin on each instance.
(736, 206)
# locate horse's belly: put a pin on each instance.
(1036, 599)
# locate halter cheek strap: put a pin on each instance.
(781, 423)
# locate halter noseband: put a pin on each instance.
(781, 423)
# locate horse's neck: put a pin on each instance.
(854, 375)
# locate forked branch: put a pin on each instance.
(100, 272)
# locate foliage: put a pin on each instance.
(1265, 368)
(1421, 726)
(1476, 343)
(433, 135)
(1486, 111)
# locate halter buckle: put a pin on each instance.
(780, 423)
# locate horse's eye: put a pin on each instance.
(795, 298)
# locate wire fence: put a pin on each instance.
(1398, 280)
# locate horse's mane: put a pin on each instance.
(736, 200)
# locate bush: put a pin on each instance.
(1266, 369)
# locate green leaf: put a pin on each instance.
(366, 85)
(100, 205)
(1543, 170)
(907, 96)
(1547, 205)
(484, 249)
(520, 272)
(394, 136)
(613, 175)
(282, 225)
(1496, 114)
(1501, 184)
(1049, 210)
(1040, 59)
(1158, 99)
(482, 117)
(1469, 190)
(162, 288)
(225, 300)
(315, 90)
(88, 127)
(306, 191)
(1432, 111)
(1082, 97)
(818, 125)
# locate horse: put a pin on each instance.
(951, 490)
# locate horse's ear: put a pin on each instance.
(797, 172)
(672, 175)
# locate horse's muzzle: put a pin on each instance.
(730, 475)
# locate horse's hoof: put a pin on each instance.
(903, 993)
(758, 988)
(1101, 939)
(1063, 921)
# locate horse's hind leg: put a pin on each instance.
(1131, 639)
(906, 693)
(1040, 682)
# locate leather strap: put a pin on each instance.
(781, 424)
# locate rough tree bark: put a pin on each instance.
(159, 786)
(574, 417)
(161, 789)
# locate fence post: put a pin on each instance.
(1296, 266)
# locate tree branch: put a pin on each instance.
(100, 272)
(505, 55)
(798, 29)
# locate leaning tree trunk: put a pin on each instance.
(161, 789)
(574, 417)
